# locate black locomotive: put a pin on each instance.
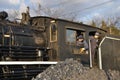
(42, 38)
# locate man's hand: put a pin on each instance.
(82, 50)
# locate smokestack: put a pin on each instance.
(25, 17)
(23, 20)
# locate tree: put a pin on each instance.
(110, 25)
(53, 12)
(103, 24)
(93, 23)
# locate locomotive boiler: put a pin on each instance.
(21, 42)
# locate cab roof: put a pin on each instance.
(58, 19)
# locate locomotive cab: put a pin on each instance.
(61, 37)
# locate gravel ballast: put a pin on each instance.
(73, 70)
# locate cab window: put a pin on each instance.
(72, 34)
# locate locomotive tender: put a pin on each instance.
(42, 39)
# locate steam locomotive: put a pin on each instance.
(43, 39)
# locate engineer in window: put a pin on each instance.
(83, 44)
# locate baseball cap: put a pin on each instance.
(80, 37)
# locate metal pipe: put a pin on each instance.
(112, 38)
(99, 54)
(90, 53)
(100, 58)
(26, 62)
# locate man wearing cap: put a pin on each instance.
(94, 45)
(81, 42)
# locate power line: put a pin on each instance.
(61, 2)
(103, 3)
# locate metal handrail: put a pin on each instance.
(90, 54)
(99, 53)
(99, 49)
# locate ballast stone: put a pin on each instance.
(73, 70)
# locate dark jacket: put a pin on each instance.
(93, 42)
(82, 44)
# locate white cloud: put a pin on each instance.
(97, 15)
(118, 9)
(12, 14)
(22, 8)
(9, 3)
(14, 2)
(35, 1)
(68, 6)
(17, 13)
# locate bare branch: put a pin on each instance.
(53, 12)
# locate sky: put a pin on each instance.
(84, 10)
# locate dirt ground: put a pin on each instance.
(73, 70)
